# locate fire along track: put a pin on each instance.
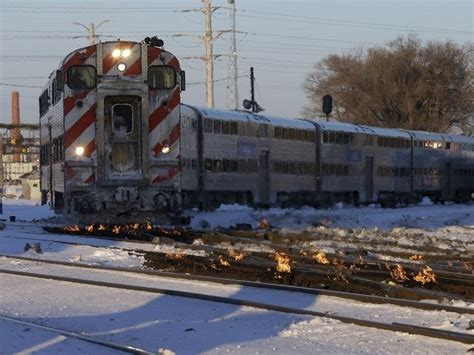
(396, 327)
(366, 279)
(75, 335)
(259, 264)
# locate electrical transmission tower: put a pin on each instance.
(232, 101)
(91, 35)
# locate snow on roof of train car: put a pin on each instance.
(246, 116)
(349, 127)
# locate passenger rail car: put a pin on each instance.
(118, 145)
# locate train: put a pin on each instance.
(117, 144)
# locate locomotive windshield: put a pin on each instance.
(81, 77)
(122, 118)
(161, 77)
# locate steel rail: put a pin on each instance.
(449, 277)
(394, 327)
(226, 281)
(70, 334)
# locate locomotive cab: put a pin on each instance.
(116, 118)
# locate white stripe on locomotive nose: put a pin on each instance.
(76, 113)
(83, 140)
(129, 61)
(163, 130)
(168, 57)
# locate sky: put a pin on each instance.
(282, 40)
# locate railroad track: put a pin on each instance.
(395, 327)
(365, 279)
(124, 348)
(261, 285)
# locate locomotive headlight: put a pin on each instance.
(126, 53)
(79, 151)
(121, 67)
(165, 149)
(116, 53)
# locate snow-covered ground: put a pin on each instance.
(188, 326)
(426, 215)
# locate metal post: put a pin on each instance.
(209, 59)
(252, 90)
(232, 76)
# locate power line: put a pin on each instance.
(309, 19)
(21, 85)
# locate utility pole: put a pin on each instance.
(232, 84)
(91, 30)
(209, 59)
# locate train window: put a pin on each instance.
(161, 77)
(225, 127)
(263, 130)
(233, 128)
(208, 164)
(448, 145)
(291, 133)
(217, 126)
(286, 133)
(345, 170)
(217, 165)
(311, 136)
(81, 77)
(44, 102)
(325, 137)
(277, 132)
(345, 138)
(122, 118)
(233, 165)
(291, 168)
(332, 137)
(208, 125)
(226, 165)
(284, 167)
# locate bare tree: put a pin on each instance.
(405, 84)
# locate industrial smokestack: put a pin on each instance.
(16, 134)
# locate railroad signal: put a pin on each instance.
(327, 105)
(252, 104)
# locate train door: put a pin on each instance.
(369, 179)
(122, 128)
(447, 181)
(264, 177)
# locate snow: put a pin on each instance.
(185, 326)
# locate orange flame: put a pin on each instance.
(320, 258)
(398, 273)
(175, 256)
(416, 257)
(223, 261)
(116, 229)
(237, 256)
(90, 228)
(283, 262)
(74, 228)
(101, 227)
(263, 224)
(425, 276)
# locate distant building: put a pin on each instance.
(31, 186)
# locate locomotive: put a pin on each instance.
(117, 144)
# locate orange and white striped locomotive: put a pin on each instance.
(109, 122)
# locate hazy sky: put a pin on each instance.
(281, 39)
